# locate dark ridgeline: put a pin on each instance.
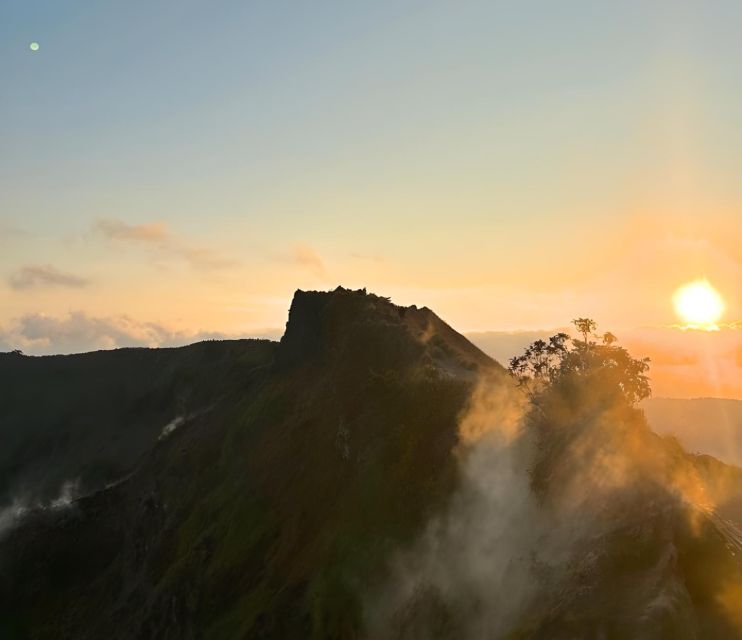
(292, 474)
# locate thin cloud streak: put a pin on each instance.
(36, 276)
(158, 236)
(154, 232)
(307, 257)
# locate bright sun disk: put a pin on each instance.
(699, 305)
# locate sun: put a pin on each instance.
(699, 305)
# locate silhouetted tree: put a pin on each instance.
(609, 338)
(540, 362)
(581, 364)
(586, 327)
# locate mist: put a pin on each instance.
(20, 505)
(547, 489)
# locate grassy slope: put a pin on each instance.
(90, 417)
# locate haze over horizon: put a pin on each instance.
(173, 171)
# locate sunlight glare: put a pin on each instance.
(699, 305)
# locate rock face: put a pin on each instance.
(263, 489)
(322, 324)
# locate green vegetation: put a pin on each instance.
(91, 417)
(644, 501)
(301, 468)
(272, 510)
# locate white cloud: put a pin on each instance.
(77, 332)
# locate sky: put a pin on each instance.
(176, 169)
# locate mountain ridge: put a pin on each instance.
(292, 429)
(280, 483)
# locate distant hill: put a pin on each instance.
(704, 425)
(332, 486)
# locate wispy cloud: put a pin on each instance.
(152, 232)
(204, 259)
(158, 236)
(308, 258)
(35, 276)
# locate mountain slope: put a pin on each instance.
(363, 478)
(261, 516)
(87, 419)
